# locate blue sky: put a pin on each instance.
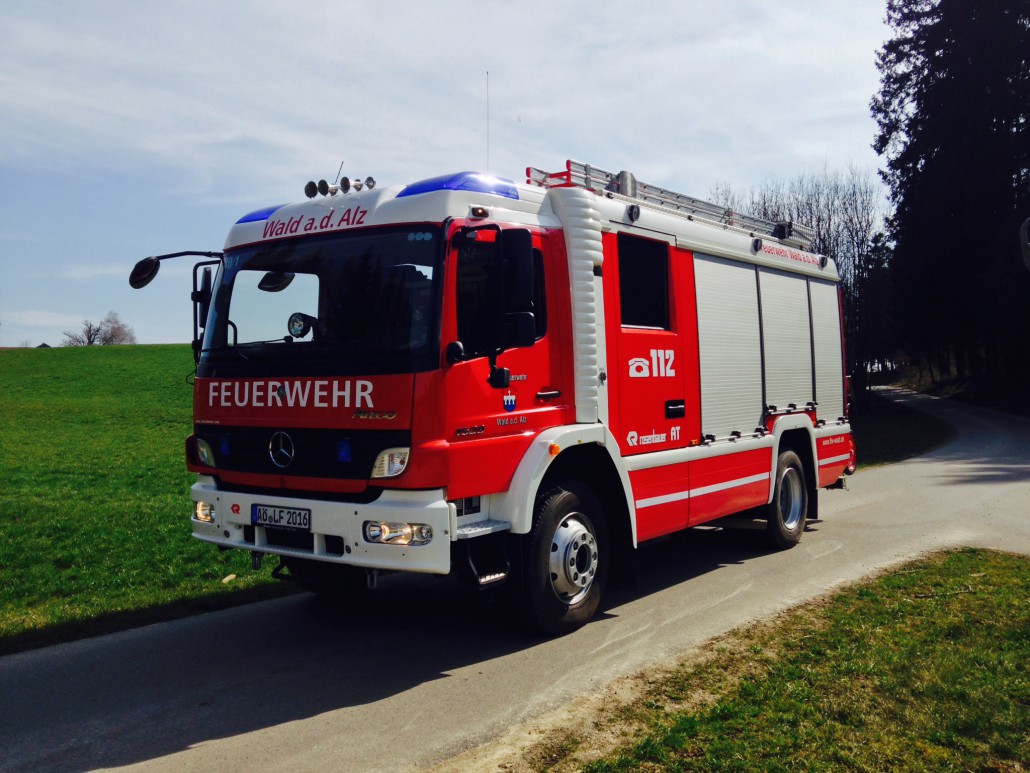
(132, 129)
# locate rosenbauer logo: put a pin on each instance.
(635, 439)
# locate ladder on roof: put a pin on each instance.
(593, 178)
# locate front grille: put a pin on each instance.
(291, 539)
(317, 453)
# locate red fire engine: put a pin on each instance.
(517, 384)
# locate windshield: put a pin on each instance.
(360, 303)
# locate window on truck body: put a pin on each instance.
(643, 282)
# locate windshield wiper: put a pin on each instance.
(283, 340)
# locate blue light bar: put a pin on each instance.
(473, 182)
(260, 214)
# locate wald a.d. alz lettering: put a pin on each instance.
(350, 217)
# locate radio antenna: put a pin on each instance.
(488, 121)
(338, 174)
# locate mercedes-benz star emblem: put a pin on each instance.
(280, 449)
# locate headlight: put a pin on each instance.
(204, 512)
(398, 533)
(390, 463)
(205, 454)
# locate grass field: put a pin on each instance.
(923, 668)
(94, 530)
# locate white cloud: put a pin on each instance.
(270, 93)
(35, 318)
(85, 273)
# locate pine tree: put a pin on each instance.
(952, 113)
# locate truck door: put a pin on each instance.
(489, 427)
(652, 364)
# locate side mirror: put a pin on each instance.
(519, 329)
(143, 273)
(202, 297)
(455, 352)
(517, 262)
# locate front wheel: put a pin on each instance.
(566, 561)
(789, 507)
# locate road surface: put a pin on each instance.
(431, 669)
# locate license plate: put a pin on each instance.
(281, 517)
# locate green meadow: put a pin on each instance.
(922, 668)
(94, 506)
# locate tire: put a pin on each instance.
(789, 507)
(566, 560)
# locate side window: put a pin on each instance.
(478, 298)
(644, 282)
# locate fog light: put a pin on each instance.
(204, 512)
(385, 533)
(390, 463)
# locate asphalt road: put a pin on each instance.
(431, 669)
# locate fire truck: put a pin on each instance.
(517, 384)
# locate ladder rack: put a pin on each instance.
(592, 178)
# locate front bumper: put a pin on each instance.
(337, 528)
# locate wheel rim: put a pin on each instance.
(791, 498)
(573, 560)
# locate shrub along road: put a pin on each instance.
(425, 670)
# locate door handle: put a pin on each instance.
(675, 409)
(548, 394)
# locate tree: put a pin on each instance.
(115, 332)
(952, 115)
(110, 331)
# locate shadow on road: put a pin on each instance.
(990, 447)
(144, 694)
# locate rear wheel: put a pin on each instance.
(789, 507)
(566, 562)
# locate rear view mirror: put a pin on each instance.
(275, 281)
(143, 273)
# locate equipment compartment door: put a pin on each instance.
(649, 365)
